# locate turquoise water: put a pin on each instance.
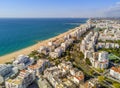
(16, 34)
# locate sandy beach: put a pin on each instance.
(11, 56)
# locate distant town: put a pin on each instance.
(87, 57)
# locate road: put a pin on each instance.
(103, 74)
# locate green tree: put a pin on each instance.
(77, 60)
(116, 85)
(88, 61)
(9, 62)
(33, 53)
(81, 55)
(101, 78)
(91, 71)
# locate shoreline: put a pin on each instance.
(10, 57)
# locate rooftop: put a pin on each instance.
(15, 81)
(116, 69)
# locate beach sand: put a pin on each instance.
(10, 57)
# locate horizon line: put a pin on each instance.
(42, 17)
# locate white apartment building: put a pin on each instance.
(43, 49)
(40, 66)
(24, 79)
(57, 52)
(100, 60)
(23, 61)
(6, 70)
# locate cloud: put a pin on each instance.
(113, 11)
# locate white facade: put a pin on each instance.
(42, 48)
(55, 74)
(50, 43)
(88, 54)
(103, 56)
(24, 79)
(57, 53)
(23, 61)
(40, 66)
(5, 69)
(54, 55)
(100, 60)
(115, 72)
(108, 45)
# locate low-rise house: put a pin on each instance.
(65, 70)
(23, 61)
(24, 79)
(115, 72)
(52, 74)
(92, 83)
(78, 78)
(67, 84)
(65, 66)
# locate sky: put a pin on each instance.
(59, 8)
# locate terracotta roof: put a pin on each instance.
(22, 71)
(81, 77)
(116, 69)
(37, 65)
(33, 67)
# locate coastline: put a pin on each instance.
(10, 57)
